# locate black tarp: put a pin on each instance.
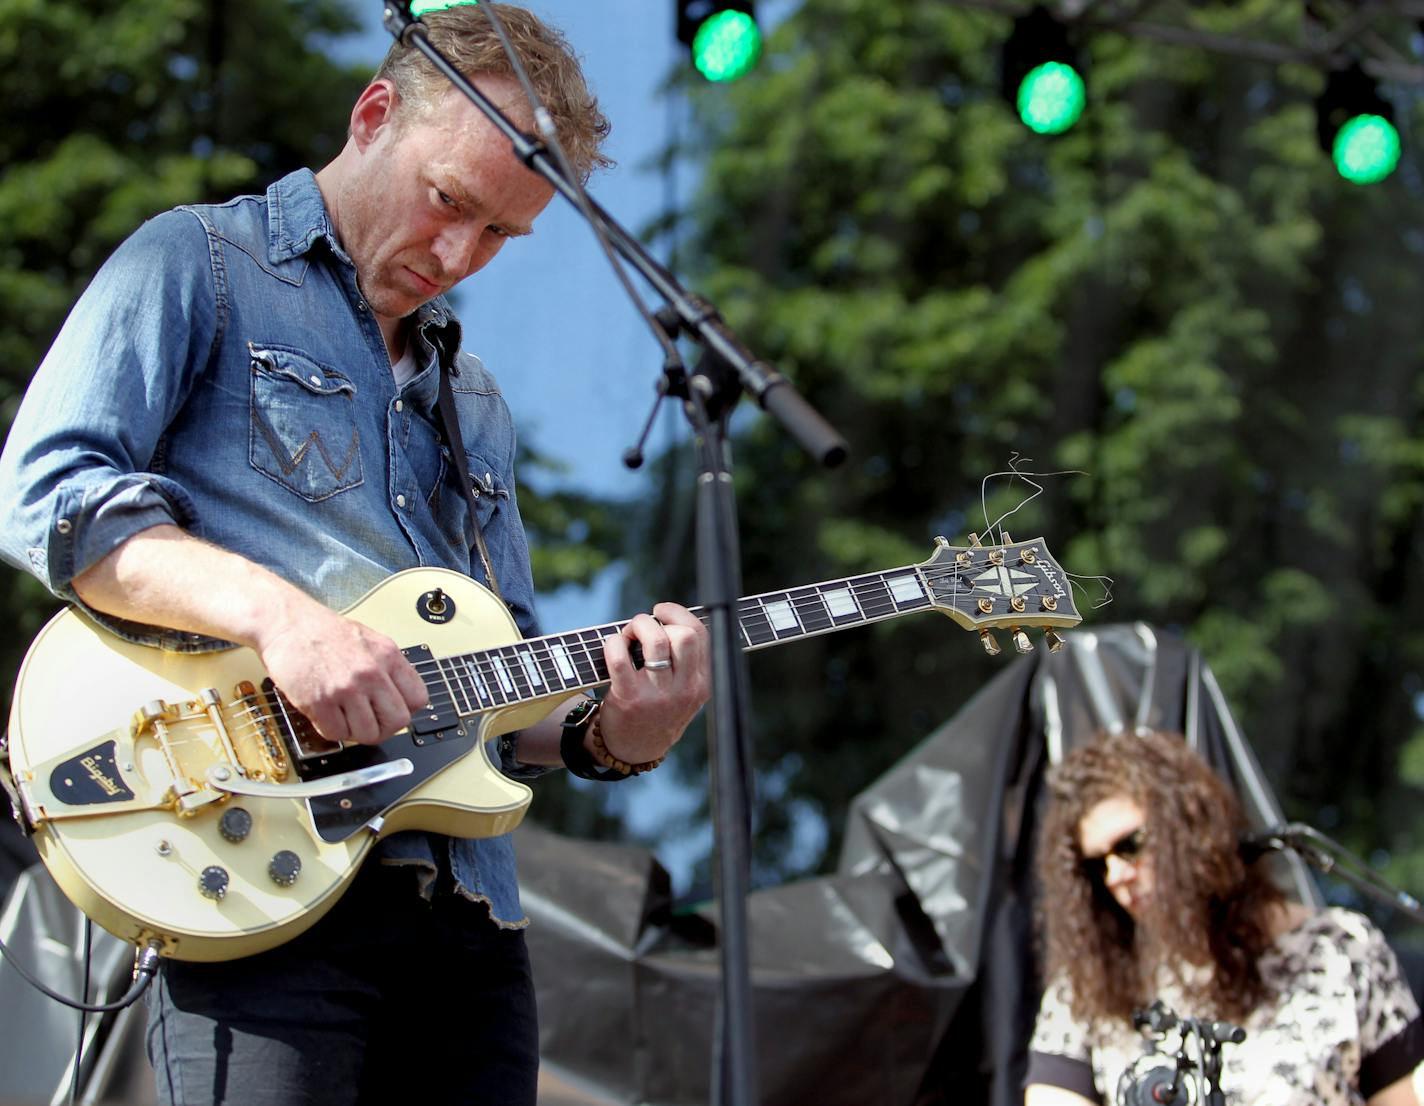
(905, 979)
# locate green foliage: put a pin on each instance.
(1178, 297)
(117, 110)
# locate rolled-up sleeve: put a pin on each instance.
(80, 472)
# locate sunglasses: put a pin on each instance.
(1127, 847)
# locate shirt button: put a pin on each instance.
(399, 405)
(316, 380)
(400, 501)
(63, 526)
(360, 305)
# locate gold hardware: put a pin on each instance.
(941, 542)
(1004, 537)
(996, 556)
(986, 606)
(269, 745)
(1050, 602)
(1028, 556)
(1021, 641)
(974, 540)
(1017, 602)
(212, 706)
(962, 559)
(1053, 639)
(991, 646)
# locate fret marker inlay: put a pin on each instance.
(566, 666)
(781, 616)
(906, 589)
(841, 603)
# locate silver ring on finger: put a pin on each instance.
(657, 666)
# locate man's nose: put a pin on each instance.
(455, 249)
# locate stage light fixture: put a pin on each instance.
(724, 38)
(1041, 75)
(1356, 127)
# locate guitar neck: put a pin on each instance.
(570, 662)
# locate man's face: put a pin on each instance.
(437, 194)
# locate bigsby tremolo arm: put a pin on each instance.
(224, 777)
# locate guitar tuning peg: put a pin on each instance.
(1053, 638)
(1004, 538)
(974, 540)
(1021, 642)
(991, 646)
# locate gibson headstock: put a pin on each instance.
(1016, 586)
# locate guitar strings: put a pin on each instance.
(503, 672)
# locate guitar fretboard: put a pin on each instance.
(573, 661)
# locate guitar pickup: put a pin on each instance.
(435, 719)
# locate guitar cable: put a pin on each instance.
(145, 967)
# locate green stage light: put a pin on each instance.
(1051, 98)
(420, 7)
(724, 38)
(1040, 73)
(1356, 128)
(1366, 149)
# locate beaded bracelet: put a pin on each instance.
(608, 760)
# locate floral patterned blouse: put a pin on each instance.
(1341, 1025)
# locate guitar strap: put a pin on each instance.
(451, 427)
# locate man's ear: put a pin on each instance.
(374, 108)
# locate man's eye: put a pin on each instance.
(445, 198)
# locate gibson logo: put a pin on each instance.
(91, 764)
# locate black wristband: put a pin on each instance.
(572, 751)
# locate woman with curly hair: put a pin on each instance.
(1146, 896)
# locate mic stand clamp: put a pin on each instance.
(1159, 1086)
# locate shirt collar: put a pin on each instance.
(297, 217)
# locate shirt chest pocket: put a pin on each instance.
(304, 433)
(452, 508)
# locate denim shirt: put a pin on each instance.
(222, 372)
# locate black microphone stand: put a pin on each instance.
(1332, 858)
(714, 388)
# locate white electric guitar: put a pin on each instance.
(177, 798)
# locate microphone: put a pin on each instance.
(1273, 839)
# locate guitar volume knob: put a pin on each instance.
(212, 884)
(235, 824)
(284, 867)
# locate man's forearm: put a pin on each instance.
(164, 576)
(350, 680)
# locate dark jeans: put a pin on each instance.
(387, 999)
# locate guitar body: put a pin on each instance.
(132, 857)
